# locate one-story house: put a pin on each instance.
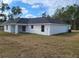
(41, 25)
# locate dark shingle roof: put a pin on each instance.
(34, 20)
(19, 20)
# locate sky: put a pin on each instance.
(35, 8)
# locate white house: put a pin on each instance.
(43, 26)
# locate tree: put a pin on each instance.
(48, 16)
(16, 12)
(68, 14)
(3, 8)
(44, 14)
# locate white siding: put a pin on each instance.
(7, 30)
(49, 28)
(37, 29)
(19, 28)
(16, 29)
(58, 28)
(13, 28)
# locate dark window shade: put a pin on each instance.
(42, 28)
(31, 26)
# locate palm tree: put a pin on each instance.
(16, 12)
(4, 7)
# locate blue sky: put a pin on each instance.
(34, 8)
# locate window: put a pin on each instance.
(42, 28)
(31, 26)
(6, 27)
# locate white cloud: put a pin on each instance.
(24, 11)
(51, 4)
(35, 6)
(31, 2)
(30, 16)
(10, 1)
(7, 1)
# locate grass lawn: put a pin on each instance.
(31, 45)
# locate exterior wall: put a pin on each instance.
(7, 30)
(37, 29)
(49, 28)
(20, 28)
(58, 28)
(13, 28)
(16, 29)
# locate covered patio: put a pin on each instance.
(18, 28)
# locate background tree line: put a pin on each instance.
(69, 14)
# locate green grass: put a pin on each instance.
(32, 45)
(8, 34)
